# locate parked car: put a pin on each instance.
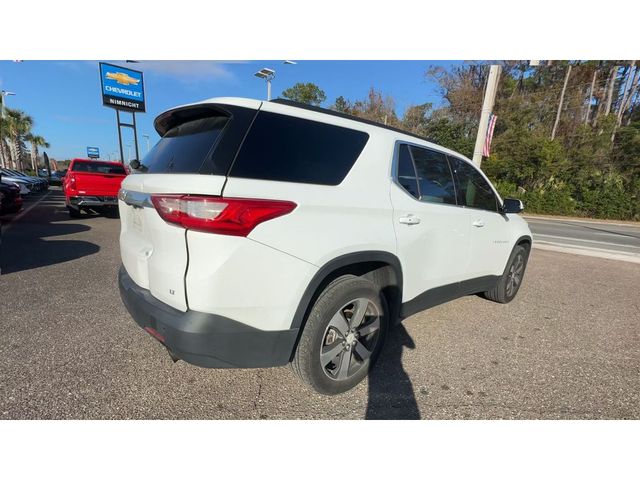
(39, 184)
(23, 190)
(92, 185)
(29, 186)
(257, 234)
(11, 200)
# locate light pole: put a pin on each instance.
(146, 137)
(268, 75)
(3, 94)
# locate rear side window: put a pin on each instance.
(290, 149)
(184, 148)
(435, 179)
(473, 190)
(406, 173)
(98, 167)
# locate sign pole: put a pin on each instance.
(135, 135)
(119, 135)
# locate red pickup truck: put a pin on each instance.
(92, 185)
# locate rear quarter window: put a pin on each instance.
(290, 149)
(184, 148)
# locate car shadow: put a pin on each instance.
(391, 394)
(25, 246)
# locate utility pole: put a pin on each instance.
(564, 88)
(146, 136)
(487, 108)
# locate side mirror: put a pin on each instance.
(512, 205)
(135, 164)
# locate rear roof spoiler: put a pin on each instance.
(171, 118)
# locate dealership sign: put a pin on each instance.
(93, 152)
(122, 88)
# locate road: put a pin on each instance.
(568, 347)
(606, 239)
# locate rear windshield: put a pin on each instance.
(184, 148)
(98, 167)
(290, 149)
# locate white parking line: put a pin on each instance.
(26, 210)
(556, 220)
(574, 239)
(588, 251)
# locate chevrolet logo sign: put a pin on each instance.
(122, 78)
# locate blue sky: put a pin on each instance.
(64, 98)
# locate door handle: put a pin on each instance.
(478, 223)
(409, 220)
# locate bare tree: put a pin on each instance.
(593, 85)
(610, 84)
(623, 102)
(627, 104)
(564, 89)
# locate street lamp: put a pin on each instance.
(146, 136)
(268, 75)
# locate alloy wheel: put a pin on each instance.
(350, 339)
(514, 277)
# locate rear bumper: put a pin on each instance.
(93, 201)
(204, 339)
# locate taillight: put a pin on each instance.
(72, 182)
(226, 216)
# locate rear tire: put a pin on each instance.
(509, 283)
(74, 213)
(343, 336)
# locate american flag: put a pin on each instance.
(486, 150)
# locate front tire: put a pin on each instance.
(511, 279)
(343, 336)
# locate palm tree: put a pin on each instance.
(18, 125)
(36, 141)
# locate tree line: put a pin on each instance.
(566, 140)
(16, 131)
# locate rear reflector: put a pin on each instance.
(155, 334)
(226, 216)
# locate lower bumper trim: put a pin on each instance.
(94, 201)
(205, 339)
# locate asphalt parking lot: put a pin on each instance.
(568, 347)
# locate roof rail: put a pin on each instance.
(335, 113)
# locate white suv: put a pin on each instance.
(257, 234)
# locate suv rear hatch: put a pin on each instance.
(197, 147)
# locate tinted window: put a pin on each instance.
(184, 148)
(473, 189)
(289, 149)
(98, 167)
(434, 176)
(406, 172)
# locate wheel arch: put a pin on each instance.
(382, 268)
(524, 240)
